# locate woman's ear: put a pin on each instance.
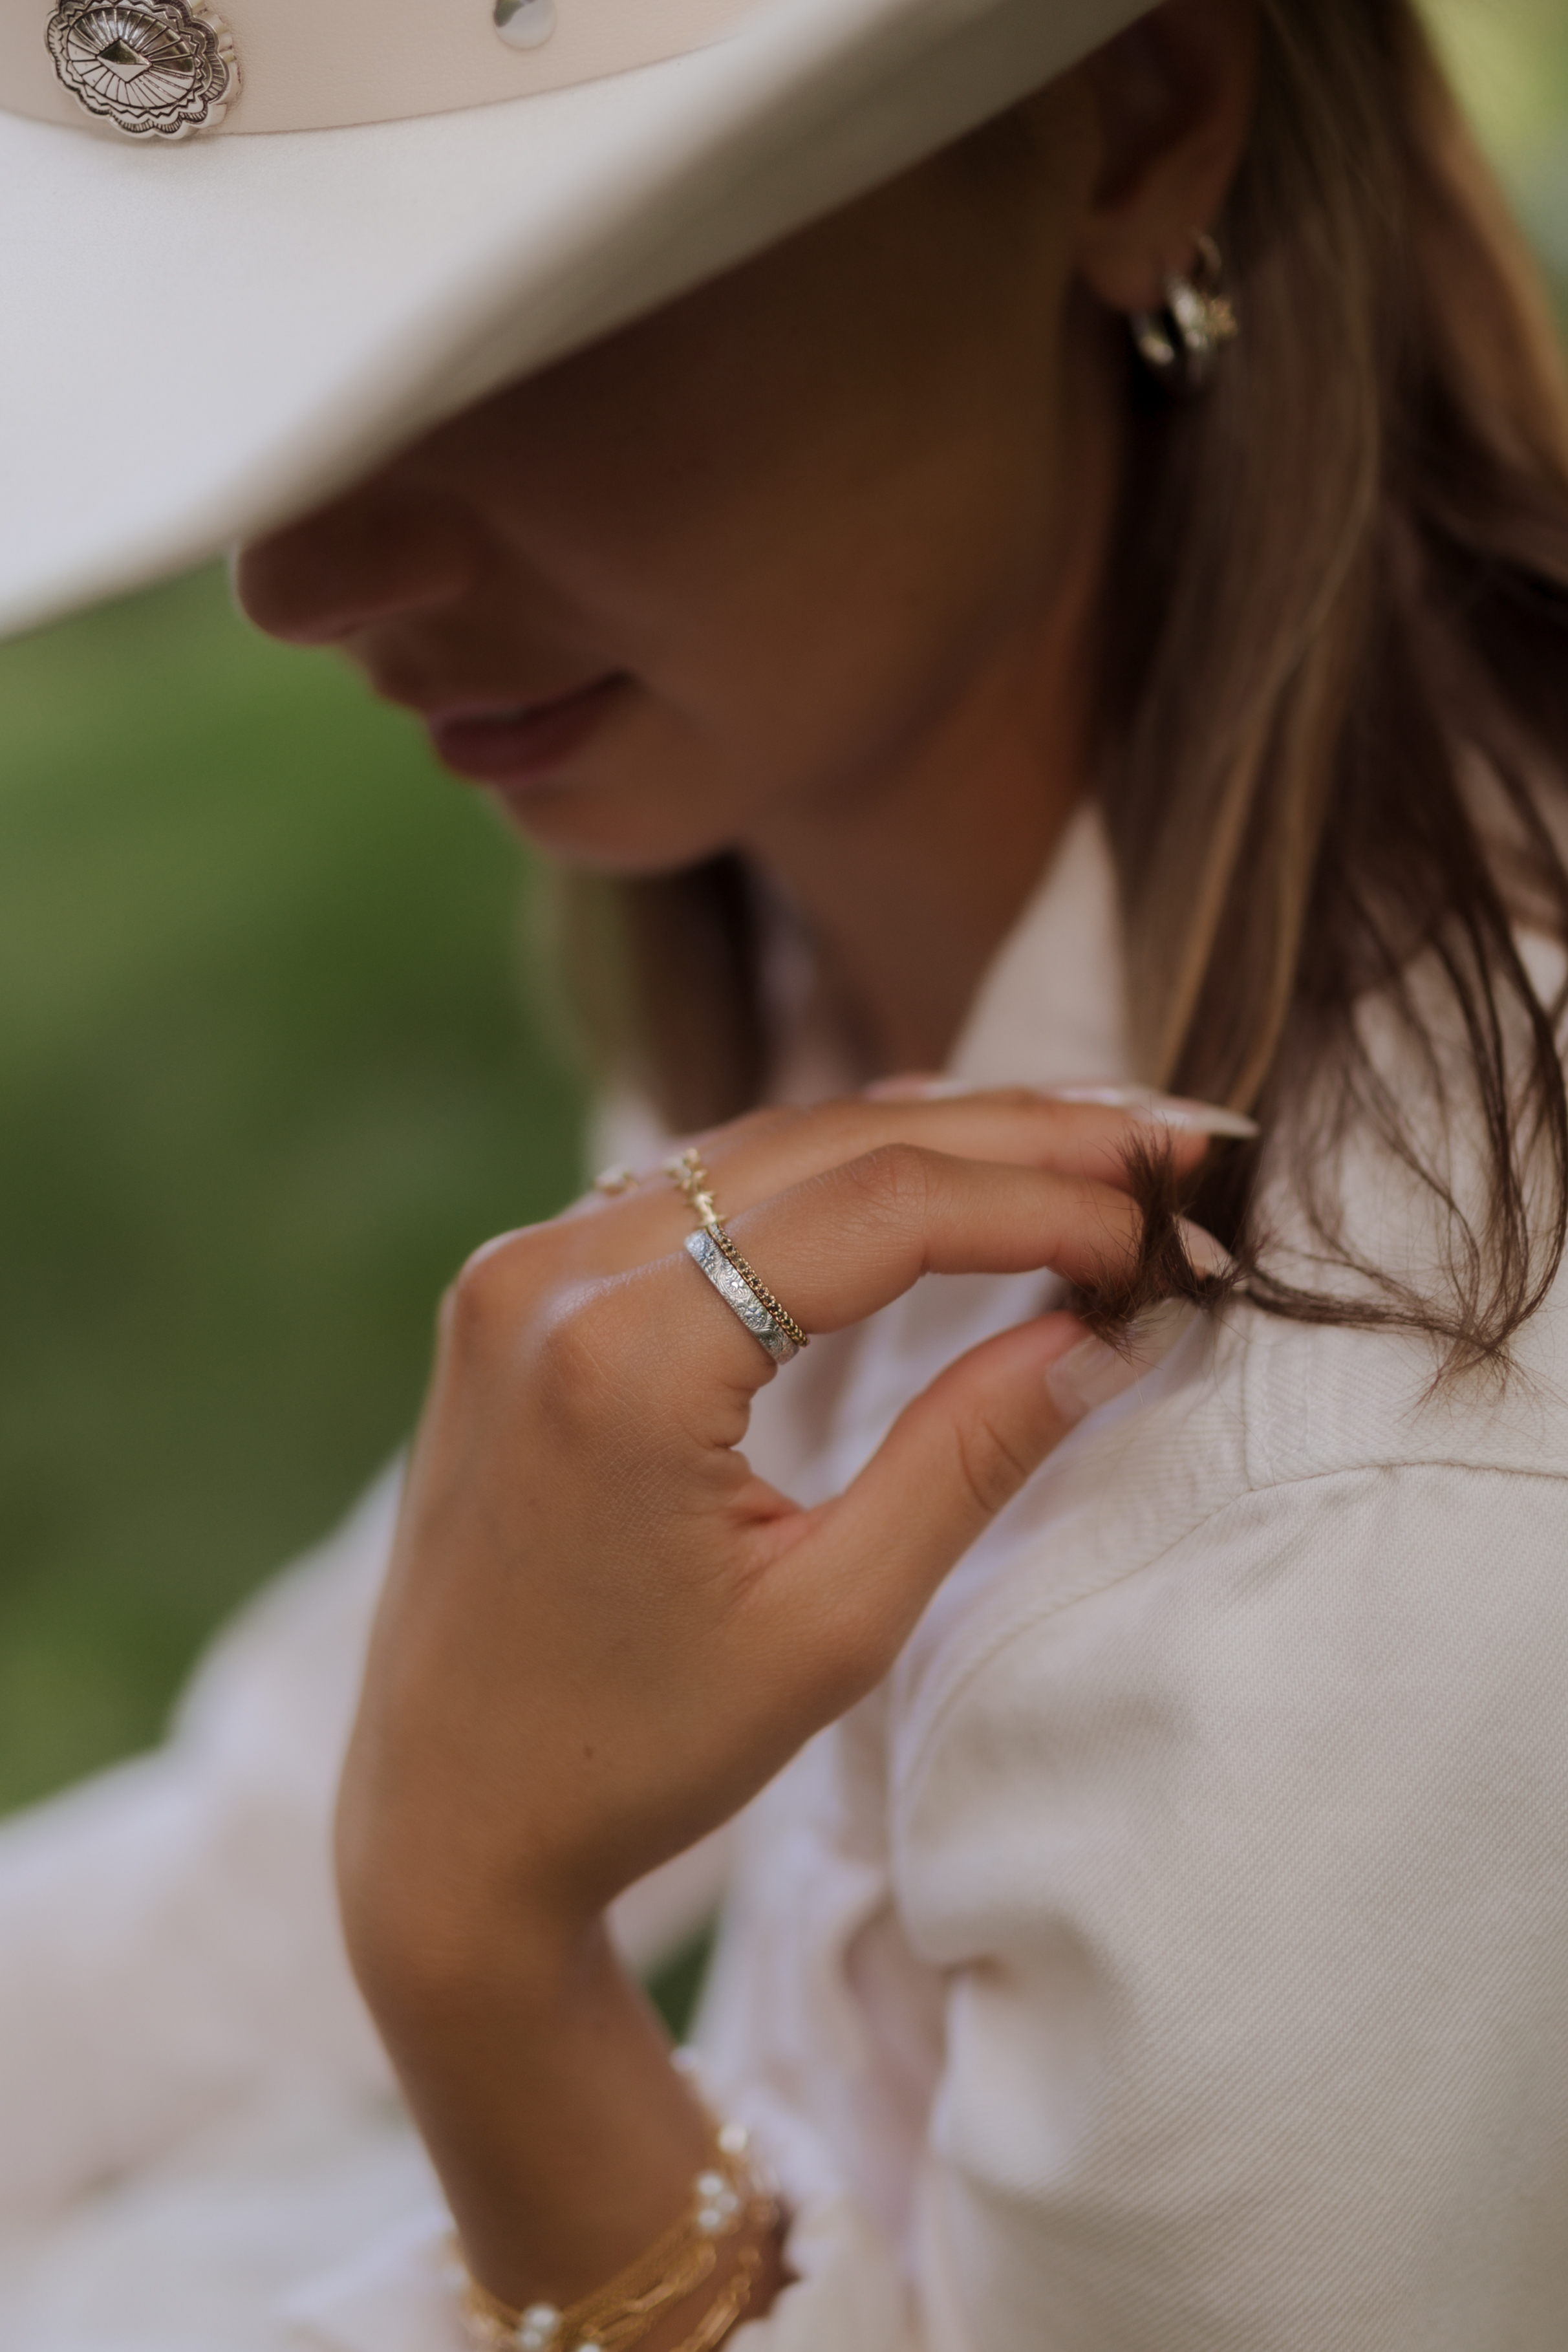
(1171, 100)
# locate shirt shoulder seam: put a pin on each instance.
(1010, 1628)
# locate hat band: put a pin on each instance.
(161, 70)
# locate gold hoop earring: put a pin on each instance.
(1179, 344)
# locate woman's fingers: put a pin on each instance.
(845, 1243)
(757, 1157)
(839, 1246)
(1178, 1114)
(852, 1576)
(772, 1151)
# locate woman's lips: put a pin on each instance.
(511, 744)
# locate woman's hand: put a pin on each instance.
(602, 1633)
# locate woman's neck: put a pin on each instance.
(910, 890)
(912, 879)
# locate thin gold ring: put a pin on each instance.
(692, 1181)
(755, 1283)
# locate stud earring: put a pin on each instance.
(1180, 343)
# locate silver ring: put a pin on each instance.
(738, 1295)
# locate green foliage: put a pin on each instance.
(1508, 60)
(263, 1081)
(676, 1988)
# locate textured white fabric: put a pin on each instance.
(1172, 1957)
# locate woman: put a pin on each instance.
(945, 643)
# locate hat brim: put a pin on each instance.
(205, 339)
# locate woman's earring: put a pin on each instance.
(1179, 344)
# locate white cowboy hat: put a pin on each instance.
(244, 260)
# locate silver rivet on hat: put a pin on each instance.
(525, 23)
(155, 69)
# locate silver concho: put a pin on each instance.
(155, 69)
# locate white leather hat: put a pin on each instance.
(245, 257)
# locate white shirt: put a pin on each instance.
(1172, 1957)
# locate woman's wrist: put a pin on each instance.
(418, 1955)
(438, 1917)
(571, 2145)
(537, 2073)
(718, 2262)
(541, 2081)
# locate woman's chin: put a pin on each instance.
(580, 779)
(600, 825)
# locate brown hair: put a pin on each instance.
(1341, 600)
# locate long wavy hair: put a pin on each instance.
(1334, 743)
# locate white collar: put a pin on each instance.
(1052, 1009)
(1050, 1012)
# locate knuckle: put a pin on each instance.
(495, 1296)
(896, 1180)
(764, 1125)
(573, 1346)
(991, 1461)
(484, 1291)
(740, 1156)
(856, 1647)
(843, 1125)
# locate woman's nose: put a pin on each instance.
(384, 550)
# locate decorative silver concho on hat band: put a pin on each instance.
(155, 69)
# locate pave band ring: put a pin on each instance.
(737, 1294)
(738, 1283)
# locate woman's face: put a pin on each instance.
(741, 560)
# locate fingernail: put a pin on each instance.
(1177, 1112)
(1087, 1377)
(1204, 1252)
(917, 1086)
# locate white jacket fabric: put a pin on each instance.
(1171, 1957)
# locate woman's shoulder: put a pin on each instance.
(1282, 1515)
(1245, 1851)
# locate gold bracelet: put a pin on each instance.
(727, 2305)
(727, 2196)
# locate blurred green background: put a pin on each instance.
(265, 1076)
(268, 1071)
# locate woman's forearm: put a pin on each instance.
(566, 2141)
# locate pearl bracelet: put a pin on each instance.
(727, 2196)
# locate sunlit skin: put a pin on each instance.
(805, 566)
